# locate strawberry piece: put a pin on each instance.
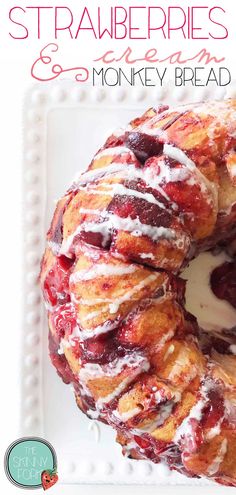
(188, 197)
(93, 238)
(214, 410)
(48, 478)
(223, 282)
(142, 442)
(147, 213)
(94, 350)
(101, 350)
(65, 263)
(56, 284)
(143, 145)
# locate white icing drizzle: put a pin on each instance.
(85, 334)
(92, 302)
(121, 387)
(92, 315)
(65, 344)
(185, 428)
(215, 465)
(179, 366)
(169, 351)
(180, 156)
(125, 416)
(150, 129)
(114, 222)
(97, 173)
(48, 306)
(227, 211)
(129, 172)
(163, 414)
(54, 246)
(232, 169)
(93, 414)
(153, 180)
(145, 256)
(90, 371)
(116, 150)
(136, 363)
(121, 130)
(177, 154)
(114, 307)
(167, 336)
(213, 432)
(232, 349)
(121, 190)
(101, 270)
(176, 395)
(177, 174)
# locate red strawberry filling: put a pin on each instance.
(223, 282)
(56, 284)
(63, 319)
(142, 442)
(103, 350)
(60, 362)
(143, 145)
(214, 410)
(147, 213)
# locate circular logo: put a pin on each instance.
(31, 462)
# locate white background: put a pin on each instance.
(16, 57)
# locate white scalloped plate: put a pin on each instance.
(64, 124)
